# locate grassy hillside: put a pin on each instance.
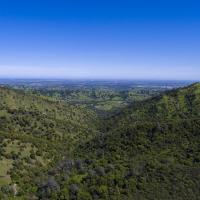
(35, 133)
(175, 104)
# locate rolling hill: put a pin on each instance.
(148, 150)
(36, 132)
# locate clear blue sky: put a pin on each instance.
(119, 39)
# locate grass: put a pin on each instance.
(5, 166)
(17, 147)
(109, 105)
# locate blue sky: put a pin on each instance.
(100, 39)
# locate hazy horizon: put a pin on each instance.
(54, 73)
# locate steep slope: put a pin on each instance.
(35, 133)
(150, 152)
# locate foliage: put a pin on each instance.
(148, 150)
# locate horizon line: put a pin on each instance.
(95, 79)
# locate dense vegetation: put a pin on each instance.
(36, 133)
(148, 150)
(151, 150)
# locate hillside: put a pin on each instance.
(35, 133)
(150, 152)
(174, 104)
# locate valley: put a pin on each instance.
(55, 145)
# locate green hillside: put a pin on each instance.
(149, 150)
(35, 133)
(175, 104)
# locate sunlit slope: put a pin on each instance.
(35, 133)
(175, 104)
(36, 115)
